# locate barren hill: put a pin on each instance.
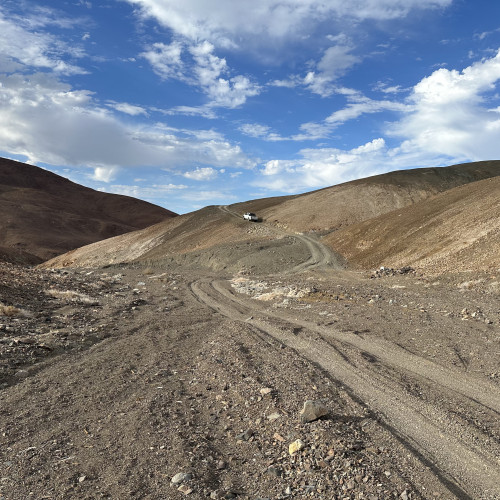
(344, 204)
(218, 238)
(44, 215)
(455, 230)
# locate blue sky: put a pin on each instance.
(197, 102)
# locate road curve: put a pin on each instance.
(320, 255)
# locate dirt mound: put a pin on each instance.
(45, 215)
(339, 206)
(455, 230)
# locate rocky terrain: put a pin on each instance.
(44, 215)
(209, 357)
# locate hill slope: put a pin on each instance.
(344, 204)
(45, 215)
(455, 230)
(218, 238)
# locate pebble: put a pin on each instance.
(245, 436)
(273, 416)
(184, 488)
(296, 446)
(181, 477)
(312, 410)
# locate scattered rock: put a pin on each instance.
(312, 410)
(181, 477)
(296, 446)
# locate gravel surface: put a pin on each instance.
(159, 383)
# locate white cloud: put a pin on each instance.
(128, 109)
(152, 192)
(450, 117)
(36, 49)
(254, 130)
(204, 70)
(335, 62)
(452, 113)
(105, 174)
(323, 167)
(232, 23)
(48, 122)
(202, 174)
(358, 105)
(166, 60)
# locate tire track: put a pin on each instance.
(469, 471)
(473, 388)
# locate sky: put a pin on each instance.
(189, 103)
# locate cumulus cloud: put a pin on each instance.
(47, 121)
(451, 116)
(455, 113)
(323, 167)
(166, 59)
(203, 69)
(202, 174)
(105, 174)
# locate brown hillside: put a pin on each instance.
(218, 238)
(455, 230)
(45, 215)
(345, 204)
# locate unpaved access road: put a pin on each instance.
(116, 380)
(430, 431)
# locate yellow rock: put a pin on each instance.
(296, 446)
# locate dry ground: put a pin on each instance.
(116, 380)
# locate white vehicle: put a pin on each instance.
(250, 216)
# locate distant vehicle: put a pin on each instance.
(250, 216)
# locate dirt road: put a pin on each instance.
(118, 380)
(468, 465)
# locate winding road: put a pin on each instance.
(462, 456)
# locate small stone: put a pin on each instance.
(404, 495)
(221, 465)
(181, 477)
(245, 436)
(184, 488)
(265, 390)
(288, 491)
(296, 446)
(312, 410)
(81, 479)
(273, 416)
(278, 437)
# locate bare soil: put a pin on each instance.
(116, 380)
(174, 361)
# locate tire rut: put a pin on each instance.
(468, 472)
